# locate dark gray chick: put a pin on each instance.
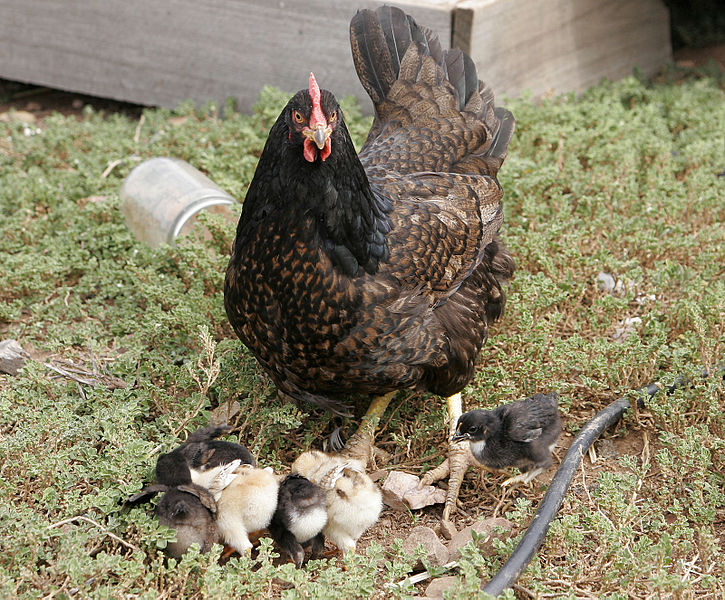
(300, 517)
(190, 510)
(521, 434)
(194, 460)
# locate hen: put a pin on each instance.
(366, 274)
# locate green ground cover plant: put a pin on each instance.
(627, 179)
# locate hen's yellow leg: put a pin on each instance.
(459, 459)
(361, 444)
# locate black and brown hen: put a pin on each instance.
(370, 273)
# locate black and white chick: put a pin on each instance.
(354, 502)
(246, 504)
(300, 518)
(195, 460)
(190, 510)
(521, 434)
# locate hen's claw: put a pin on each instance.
(454, 467)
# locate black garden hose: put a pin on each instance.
(535, 534)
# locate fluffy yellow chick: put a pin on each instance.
(354, 501)
(245, 505)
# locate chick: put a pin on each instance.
(216, 479)
(190, 510)
(247, 504)
(300, 517)
(521, 434)
(354, 502)
(195, 459)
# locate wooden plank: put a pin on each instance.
(549, 46)
(161, 52)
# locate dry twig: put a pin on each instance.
(97, 525)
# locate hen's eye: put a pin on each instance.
(333, 117)
(297, 116)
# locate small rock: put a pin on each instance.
(400, 492)
(436, 552)
(18, 115)
(448, 529)
(224, 413)
(436, 587)
(484, 527)
(644, 298)
(626, 328)
(606, 282)
(12, 357)
(606, 449)
(177, 121)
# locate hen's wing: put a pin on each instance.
(442, 225)
(526, 420)
(434, 148)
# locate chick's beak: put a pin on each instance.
(458, 436)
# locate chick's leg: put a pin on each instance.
(457, 463)
(361, 445)
(526, 477)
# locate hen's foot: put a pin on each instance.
(457, 463)
(454, 467)
(360, 446)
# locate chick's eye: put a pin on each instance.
(297, 116)
(333, 117)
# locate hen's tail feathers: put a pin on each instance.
(380, 40)
(501, 140)
(489, 157)
(461, 72)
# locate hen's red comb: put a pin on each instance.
(314, 89)
(317, 116)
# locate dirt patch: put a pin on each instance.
(695, 57)
(41, 102)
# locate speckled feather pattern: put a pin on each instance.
(365, 275)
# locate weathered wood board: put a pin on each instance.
(161, 52)
(557, 46)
